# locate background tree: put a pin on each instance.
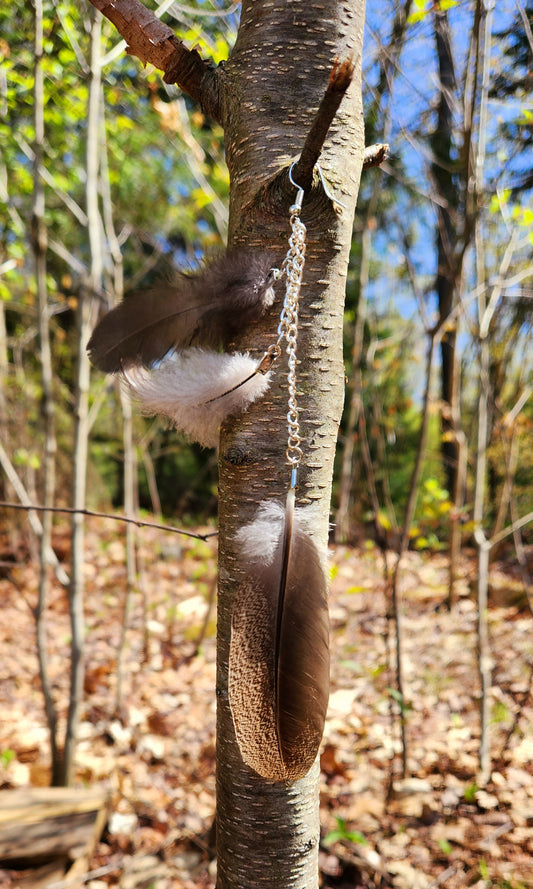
(513, 79)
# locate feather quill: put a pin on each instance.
(197, 389)
(205, 309)
(279, 649)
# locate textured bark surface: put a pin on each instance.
(271, 88)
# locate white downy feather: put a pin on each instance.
(196, 389)
(258, 540)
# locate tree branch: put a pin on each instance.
(375, 155)
(152, 41)
(339, 81)
(139, 523)
(33, 519)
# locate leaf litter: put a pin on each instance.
(433, 827)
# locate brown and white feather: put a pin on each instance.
(279, 650)
(206, 309)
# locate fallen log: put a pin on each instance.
(47, 827)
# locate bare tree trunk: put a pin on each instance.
(396, 601)
(347, 468)
(483, 542)
(39, 240)
(485, 313)
(130, 462)
(442, 144)
(86, 318)
(151, 480)
(130, 478)
(456, 217)
(459, 491)
(483, 547)
(4, 370)
(388, 68)
(267, 833)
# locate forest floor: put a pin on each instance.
(156, 752)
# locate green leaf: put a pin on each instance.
(470, 792)
(421, 10)
(349, 665)
(343, 834)
(404, 705)
(7, 756)
(484, 870)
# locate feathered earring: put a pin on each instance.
(163, 343)
(278, 681)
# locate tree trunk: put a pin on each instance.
(485, 310)
(130, 481)
(39, 239)
(4, 371)
(446, 236)
(456, 209)
(274, 81)
(379, 111)
(86, 320)
(346, 476)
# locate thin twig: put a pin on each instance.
(84, 878)
(33, 519)
(520, 707)
(445, 875)
(339, 81)
(525, 520)
(375, 155)
(203, 630)
(497, 832)
(106, 515)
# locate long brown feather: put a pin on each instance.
(279, 651)
(206, 309)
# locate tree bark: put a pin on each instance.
(446, 237)
(86, 319)
(39, 243)
(273, 83)
(485, 312)
(380, 109)
(452, 171)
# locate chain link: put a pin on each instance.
(293, 266)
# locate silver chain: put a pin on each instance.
(293, 266)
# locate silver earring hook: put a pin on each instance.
(300, 196)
